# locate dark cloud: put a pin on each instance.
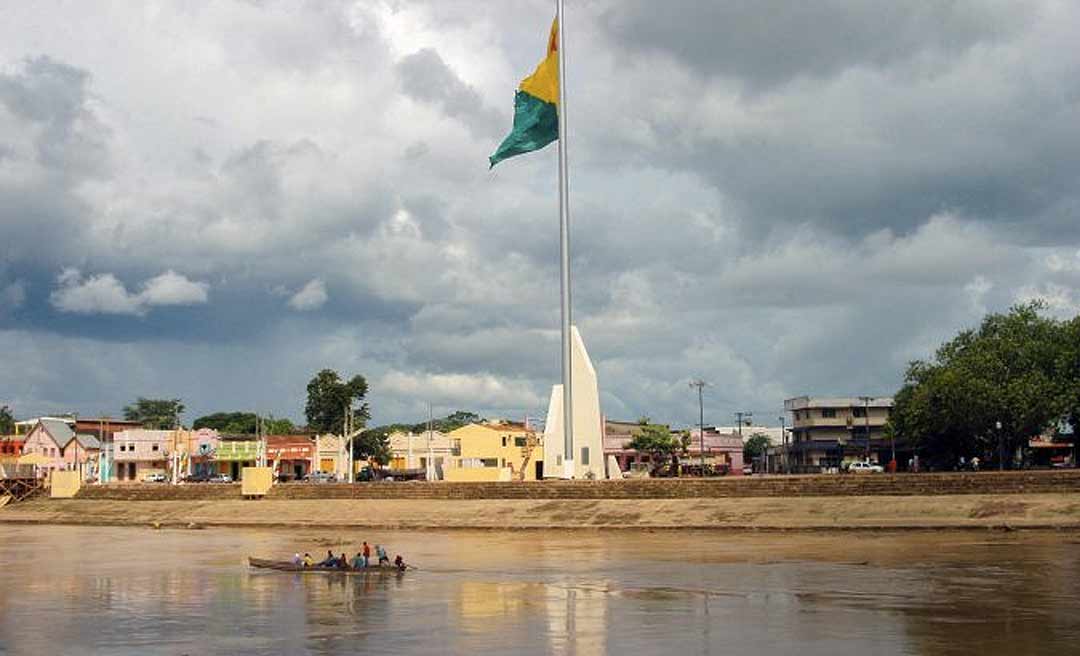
(782, 199)
(770, 42)
(426, 77)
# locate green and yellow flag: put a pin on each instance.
(536, 114)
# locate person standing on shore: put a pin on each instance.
(367, 554)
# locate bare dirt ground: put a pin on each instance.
(1055, 511)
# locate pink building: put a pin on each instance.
(723, 451)
(54, 439)
(139, 452)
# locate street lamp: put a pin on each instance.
(1001, 447)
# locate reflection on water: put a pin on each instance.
(136, 591)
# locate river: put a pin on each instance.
(86, 590)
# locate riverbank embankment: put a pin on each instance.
(1029, 500)
(1061, 511)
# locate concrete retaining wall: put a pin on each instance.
(776, 486)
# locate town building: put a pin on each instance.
(504, 451)
(234, 452)
(138, 453)
(65, 450)
(12, 445)
(829, 432)
(290, 456)
(723, 451)
(427, 451)
(330, 457)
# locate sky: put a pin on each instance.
(214, 200)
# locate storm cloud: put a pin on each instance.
(212, 202)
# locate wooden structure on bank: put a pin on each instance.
(20, 489)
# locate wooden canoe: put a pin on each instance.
(288, 566)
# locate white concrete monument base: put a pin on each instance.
(588, 453)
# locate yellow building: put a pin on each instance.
(495, 452)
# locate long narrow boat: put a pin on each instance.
(288, 566)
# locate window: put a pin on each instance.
(828, 413)
(519, 441)
(858, 412)
(584, 455)
(122, 448)
(489, 462)
(504, 440)
(154, 447)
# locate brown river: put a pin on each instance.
(85, 590)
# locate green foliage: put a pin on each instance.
(756, 445)
(7, 421)
(372, 444)
(450, 422)
(445, 424)
(661, 444)
(244, 423)
(1018, 368)
(235, 423)
(273, 426)
(327, 397)
(156, 414)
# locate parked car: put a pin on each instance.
(320, 477)
(154, 477)
(197, 478)
(865, 468)
(221, 478)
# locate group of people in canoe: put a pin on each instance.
(361, 560)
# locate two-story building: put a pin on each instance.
(495, 452)
(829, 432)
(290, 455)
(65, 449)
(416, 451)
(140, 452)
(234, 452)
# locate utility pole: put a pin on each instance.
(783, 441)
(866, 416)
(700, 385)
(748, 416)
(429, 471)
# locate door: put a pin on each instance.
(539, 470)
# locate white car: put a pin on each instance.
(865, 468)
(154, 478)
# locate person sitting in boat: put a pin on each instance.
(381, 553)
(399, 563)
(297, 560)
(343, 562)
(308, 560)
(330, 560)
(358, 561)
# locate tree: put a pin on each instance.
(661, 445)
(159, 414)
(372, 445)
(756, 446)
(244, 423)
(450, 422)
(235, 423)
(1018, 368)
(327, 397)
(7, 421)
(273, 426)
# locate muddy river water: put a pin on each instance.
(86, 590)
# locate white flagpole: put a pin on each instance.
(564, 248)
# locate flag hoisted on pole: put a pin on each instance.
(539, 119)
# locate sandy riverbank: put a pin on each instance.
(1060, 511)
